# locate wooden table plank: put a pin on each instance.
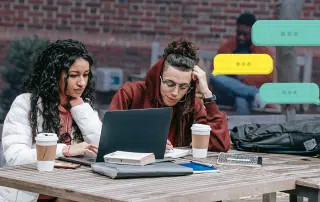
(305, 169)
(84, 185)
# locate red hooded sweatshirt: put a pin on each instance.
(146, 94)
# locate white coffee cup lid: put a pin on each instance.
(46, 137)
(200, 127)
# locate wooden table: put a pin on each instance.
(84, 185)
(305, 169)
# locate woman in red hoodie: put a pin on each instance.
(173, 82)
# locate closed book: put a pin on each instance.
(163, 169)
(130, 158)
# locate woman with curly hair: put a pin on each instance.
(173, 82)
(57, 98)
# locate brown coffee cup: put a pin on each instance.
(46, 146)
(200, 140)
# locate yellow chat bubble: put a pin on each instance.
(242, 64)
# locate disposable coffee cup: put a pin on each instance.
(200, 140)
(46, 146)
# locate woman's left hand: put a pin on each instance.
(200, 77)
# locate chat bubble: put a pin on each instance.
(242, 64)
(289, 93)
(286, 33)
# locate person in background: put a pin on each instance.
(173, 82)
(57, 98)
(241, 91)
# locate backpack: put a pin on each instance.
(301, 137)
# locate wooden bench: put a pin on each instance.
(2, 159)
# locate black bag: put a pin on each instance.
(293, 137)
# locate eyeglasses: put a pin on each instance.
(65, 138)
(172, 84)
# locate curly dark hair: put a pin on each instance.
(42, 82)
(181, 54)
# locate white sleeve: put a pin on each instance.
(88, 121)
(17, 136)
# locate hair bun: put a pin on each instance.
(182, 47)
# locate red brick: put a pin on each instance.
(50, 8)
(21, 19)
(89, 29)
(235, 11)
(204, 22)
(94, 5)
(190, 28)
(248, 5)
(64, 15)
(149, 14)
(135, 25)
(36, 14)
(36, 1)
(309, 8)
(262, 12)
(230, 24)
(6, 13)
(49, 21)
(175, 21)
(92, 17)
(79, 10)
(21, 7)
(217, 29)
(7, 24)
(153, 20)
(78, 22)
(121, 6)
(120, 18)
(161, 27)
(219, 4)
(64, 3)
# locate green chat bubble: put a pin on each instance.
(289, 93)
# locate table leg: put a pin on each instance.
(271, 197)
(311, 193)
(314, 197)
(295, 198)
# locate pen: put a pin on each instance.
(203, 164)
(232, 159)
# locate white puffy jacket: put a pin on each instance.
(17, 139)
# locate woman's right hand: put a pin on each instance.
(168, 145)
(83, 148)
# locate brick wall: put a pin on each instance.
(201, 20)
(119, 32)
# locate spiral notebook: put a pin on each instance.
(199, 167)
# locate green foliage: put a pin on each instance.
(21, 55)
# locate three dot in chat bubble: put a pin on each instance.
(242, 64)
(289, 93)
(286, 33)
